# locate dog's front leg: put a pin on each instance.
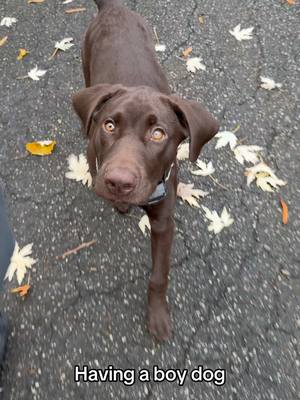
(162, 230)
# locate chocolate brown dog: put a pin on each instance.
(134, 126)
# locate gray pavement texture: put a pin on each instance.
(234, 297)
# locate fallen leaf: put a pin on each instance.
(22, 53)
(256, 169)
(160, 47)
(21, 290)
(36, 73)
(3, 40)
(35, 1)
(64, 44)
(187, 52)
(183, 151)
(144, 223)
(242, 34)
(194, 64)
(225, 138)
(201, 19)
(265, 177)
(285, 211)
(79, 169)
(269, 84)
(291, 2)
(205, 169)
(8, 21)
(41, 148)
(75, 10)
(218, 223)
(263, 181)
(20, 262)
(189, 194)
(247, 153)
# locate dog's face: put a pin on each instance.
(133, 137)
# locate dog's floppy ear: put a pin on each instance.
(199, 124)
(87, 101)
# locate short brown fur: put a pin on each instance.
(126, 85)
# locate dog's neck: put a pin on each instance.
(160, 191)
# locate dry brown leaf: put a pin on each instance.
(187, 52)
(22, 53)
(42, 148)
(285, 211)
(201, 19)
(3, 40)
(22, 290)
(291, 2)
(35, 1)
(75, 10)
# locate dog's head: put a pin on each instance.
(133, 137)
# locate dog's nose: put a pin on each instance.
(120, 181)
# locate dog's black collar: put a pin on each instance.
(160, 191)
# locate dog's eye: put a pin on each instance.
(109, 126)
(158, 135)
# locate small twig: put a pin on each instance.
(76, 249)
(241, 140)
(217, 183)
(155, 33)
(53, 54)
(21, 157)
(236, 129)
(75, 10)
(28, 282)
(23, 77)
(180, 58)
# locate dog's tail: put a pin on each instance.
(102, 3)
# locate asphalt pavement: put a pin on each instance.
(234, 296)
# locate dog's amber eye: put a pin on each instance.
(158, 135)
(109, 126)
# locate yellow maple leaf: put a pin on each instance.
(21, 290)
(22, 53)
(41, 148)
(3, 40)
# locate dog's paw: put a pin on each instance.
(160, 322)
